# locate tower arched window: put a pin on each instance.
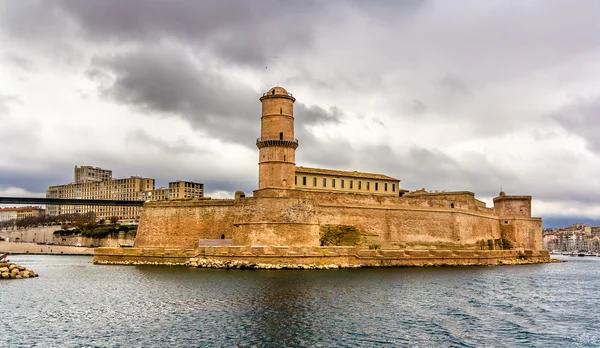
(280, 111)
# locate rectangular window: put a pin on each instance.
(333, 183)
(351, 184)
(304, 180)
(342, 185)
(324, 182)
(393, 187)
(385, 186)
(368, 185)
(296, 180)
(359, 184)
(376, 186)
(315, 181)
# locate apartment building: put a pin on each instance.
(85, 174)
(185, 189)
(159, 194)
(127, 189)
(14, 213)
(97, 183)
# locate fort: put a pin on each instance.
(308, 216)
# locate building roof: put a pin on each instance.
(21, 208)
(354, 174)
(277, 92)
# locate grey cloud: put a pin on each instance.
(451, 65)
(310, 115)
(170, 82)
(167, 82)
(417, 106)
(454, 84)
(239, 31)
(582, 118)
(5, 101)
(36, 179)
(178, 147)
(19, 61)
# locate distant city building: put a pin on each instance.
(159, 194)
(577, 237)
(97, 183)
(185, 189)
(85, 174)
(14, 213)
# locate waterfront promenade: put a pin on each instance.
(32, 248)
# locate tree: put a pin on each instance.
(114, 219)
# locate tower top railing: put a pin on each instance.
(267, 94)
(265, 139)
(262, 142)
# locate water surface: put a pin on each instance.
(75, 303)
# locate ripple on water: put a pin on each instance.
(74, 303)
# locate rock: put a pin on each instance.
(11, 270)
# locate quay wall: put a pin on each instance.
(45, 234)
(30, 234)
(341, 256)
(32, 248)
(113, 240)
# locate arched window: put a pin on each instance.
(223, 236)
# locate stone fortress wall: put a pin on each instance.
(285, 223)
(296, 218)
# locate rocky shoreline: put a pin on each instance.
(243, 264)
(10, 270)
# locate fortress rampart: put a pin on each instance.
(284, 223)
(296, 218)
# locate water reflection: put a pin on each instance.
(74, 303)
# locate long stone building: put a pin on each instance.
(308, 215)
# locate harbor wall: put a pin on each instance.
(284, 256)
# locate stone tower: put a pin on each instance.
(277, 145)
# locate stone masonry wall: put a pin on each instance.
(294, 217)
(523, 232)
(180, 224)
(276, 221)
(279, 257)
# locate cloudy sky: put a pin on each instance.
(444, 95)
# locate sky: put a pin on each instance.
(443, 95)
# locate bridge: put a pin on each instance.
(63, 201)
